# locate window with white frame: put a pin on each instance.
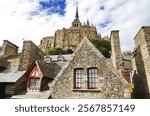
(92, 78)
(78, 78)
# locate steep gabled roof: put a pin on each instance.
(10, 76)
(106, 62)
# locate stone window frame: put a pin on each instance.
(92, 78)
(80, 78)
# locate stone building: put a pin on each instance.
(11, 83)
(8, 49)
(141, 64)
(71, 37)
(12, 79)
(88, 75)
(38, 77)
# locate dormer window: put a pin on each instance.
(34, 80)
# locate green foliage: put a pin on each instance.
(57, 51)
(103, 46)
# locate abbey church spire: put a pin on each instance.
(77, 14)
(76, 22)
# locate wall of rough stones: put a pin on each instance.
(115, 48)
(46, 42)
(8, 49)
(110, 83)
(141, 63)
(30, 53)
(68, 38)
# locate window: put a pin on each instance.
(34, 83)
(78, 76)
(92, 78)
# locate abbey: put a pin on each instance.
(71, 37)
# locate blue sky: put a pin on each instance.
(57, 6)
(35, 19)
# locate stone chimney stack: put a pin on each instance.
(116, 50)
(30, 52)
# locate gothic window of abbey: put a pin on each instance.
(78, 78)
(92, 78)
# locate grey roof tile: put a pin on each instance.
(10, 76)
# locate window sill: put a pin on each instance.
(87, 90)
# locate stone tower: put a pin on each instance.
(76, 22)
(116, 50)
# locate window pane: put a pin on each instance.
(34, 83)
(78, 78)
(93, 78)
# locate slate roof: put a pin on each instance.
(10, 76)
(66, 56)
(128, 58)
(49, 69)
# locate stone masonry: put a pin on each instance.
(111, 84)
(30, 53)
(8, 49)
(116, 50)
(141, 64)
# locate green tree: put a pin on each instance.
(103, 46)
(57, 51)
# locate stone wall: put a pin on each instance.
(116, 50)
(141, 63)
(59, 38)
(8, 49)
(110, 83)
(9, 90)
(30, 53)
(3, 63)
(68, 38)
(46, 42)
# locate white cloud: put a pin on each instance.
(127, 15)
